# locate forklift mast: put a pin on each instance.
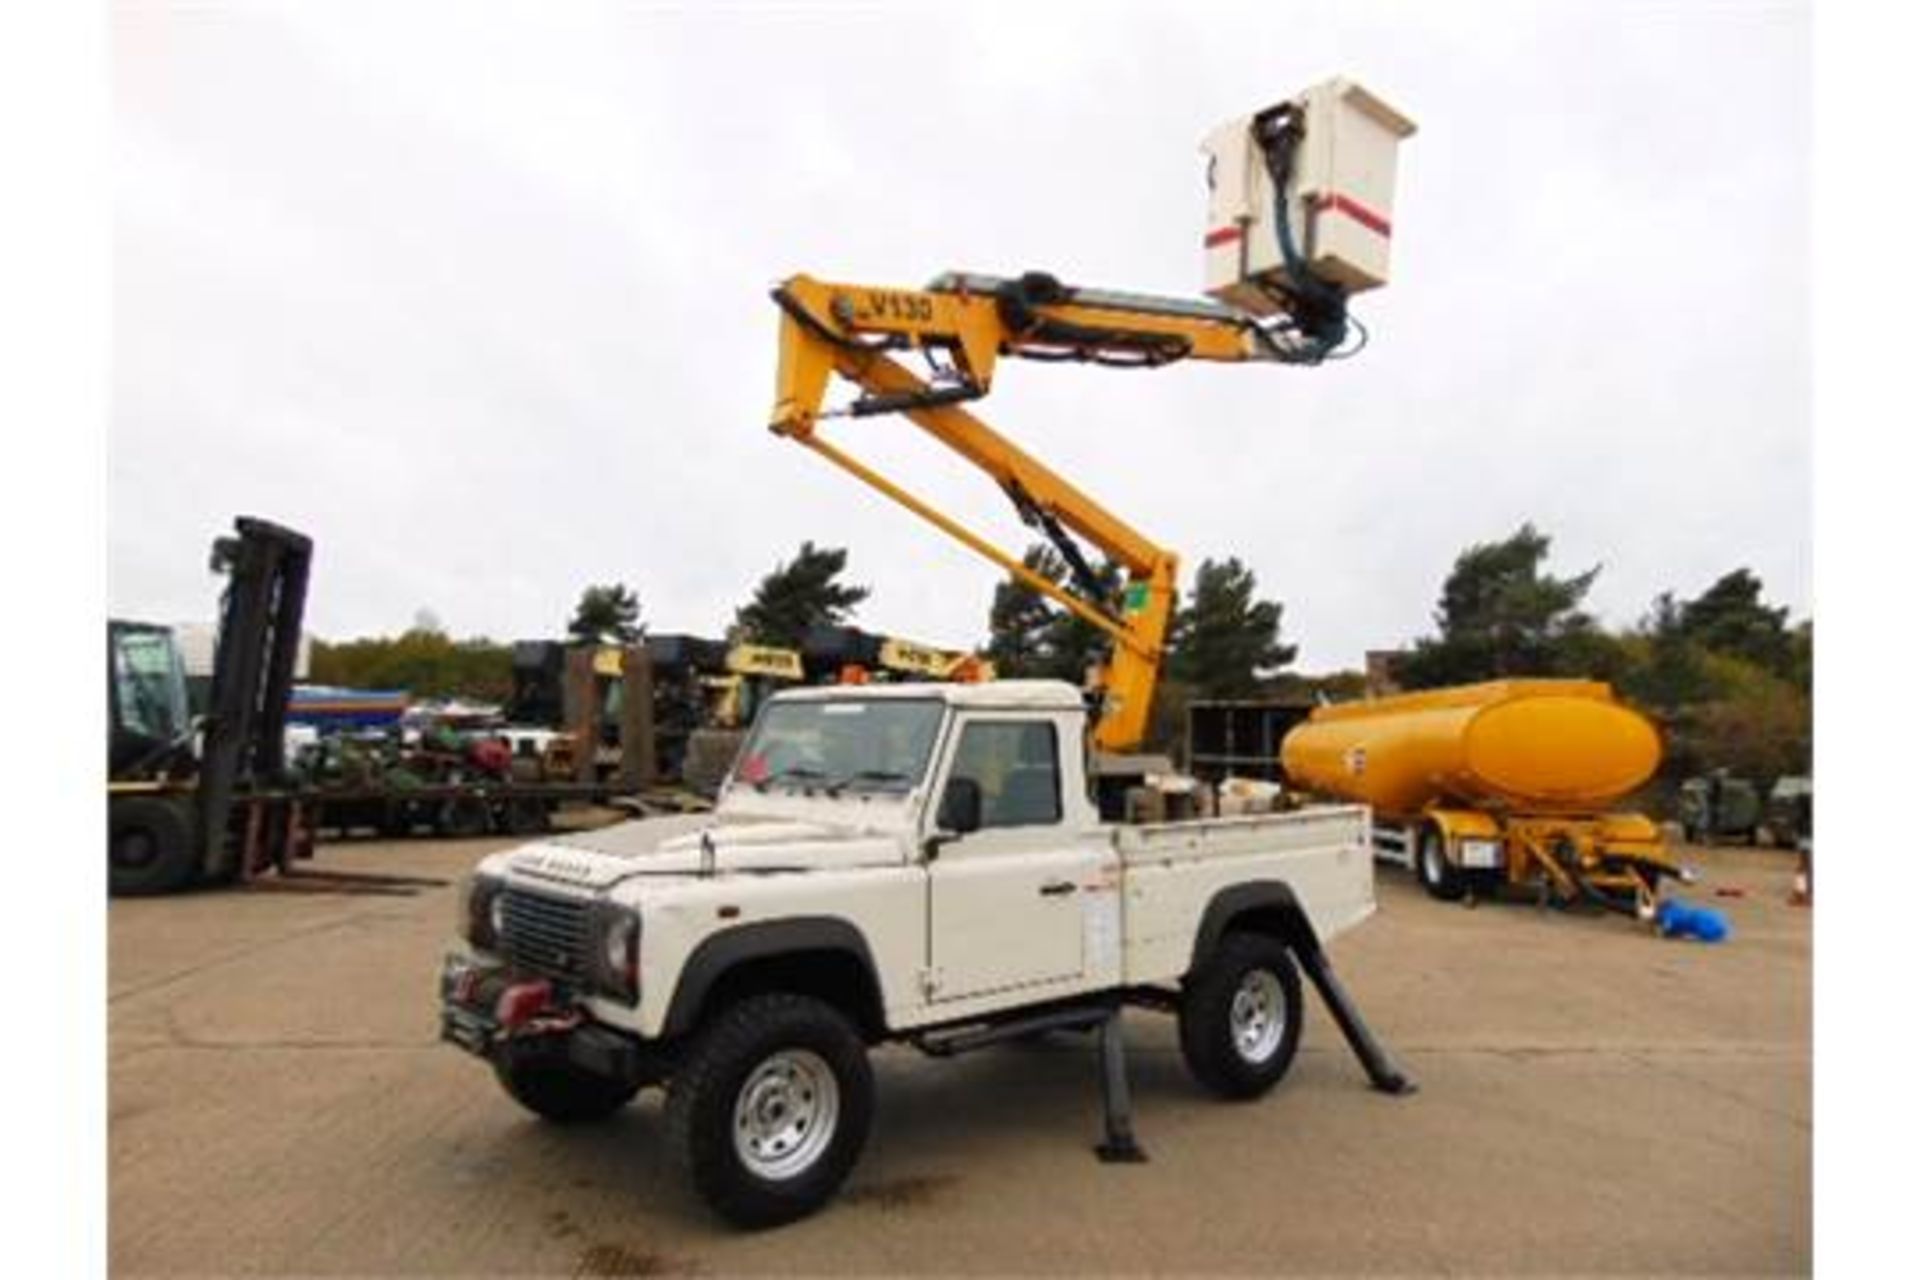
(244, 747)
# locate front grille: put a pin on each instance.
(544, 935)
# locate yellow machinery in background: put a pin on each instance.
(841, 654)
(1510, 781)
(749, 667)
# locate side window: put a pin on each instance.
(1017, 764)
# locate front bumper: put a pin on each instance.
(473, 994)
(469, 994)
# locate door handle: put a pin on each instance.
(1054, 888)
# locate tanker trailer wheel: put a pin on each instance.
(1438, 876)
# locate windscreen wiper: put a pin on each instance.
(877, 776)
(792, 771)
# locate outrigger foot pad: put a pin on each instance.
(1382, 1072)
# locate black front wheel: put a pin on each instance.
(771, 1108)
(1240, 1016)
(561, 1092)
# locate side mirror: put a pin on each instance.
(959, 807)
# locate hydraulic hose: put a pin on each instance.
(1321, 307)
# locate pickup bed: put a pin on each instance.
(916, 863)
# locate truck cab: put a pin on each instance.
(984, 790)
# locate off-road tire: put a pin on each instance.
(149, 846)
(562, 1093)
(703, 1094)
(1207, 1027)
(1438, 876)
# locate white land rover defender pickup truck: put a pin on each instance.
(916, 863)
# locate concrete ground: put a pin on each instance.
(1592, 1101)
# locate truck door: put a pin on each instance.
(1006, 899)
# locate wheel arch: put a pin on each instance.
(821, 956)
(1455, 825)
(1268, 907)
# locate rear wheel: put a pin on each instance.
(149, 846)
(1438, 875)
(561, 1092)
(1240, 1016)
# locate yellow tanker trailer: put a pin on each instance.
(1503, 782)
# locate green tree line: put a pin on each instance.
(1727, 676)
(425, 662)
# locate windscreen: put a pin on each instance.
(848, 743)
(150, 685)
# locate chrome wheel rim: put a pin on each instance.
(785, 1115)
(1258, 1017)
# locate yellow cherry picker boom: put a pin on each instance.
(1300, 202)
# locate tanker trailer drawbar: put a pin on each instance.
(1506, 783)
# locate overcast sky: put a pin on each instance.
(477, 295)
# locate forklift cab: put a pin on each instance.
(147, 705)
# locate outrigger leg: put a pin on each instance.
(1119, 1146)
(1381, 1069)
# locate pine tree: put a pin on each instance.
(798, 594)
(1500, 615)
(1019, 619)
(1072, 644)
(607, 614)
(1728, 618)
(1030, 636)
(1226, 641)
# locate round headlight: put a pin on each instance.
(475, 893)
(619, 941)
